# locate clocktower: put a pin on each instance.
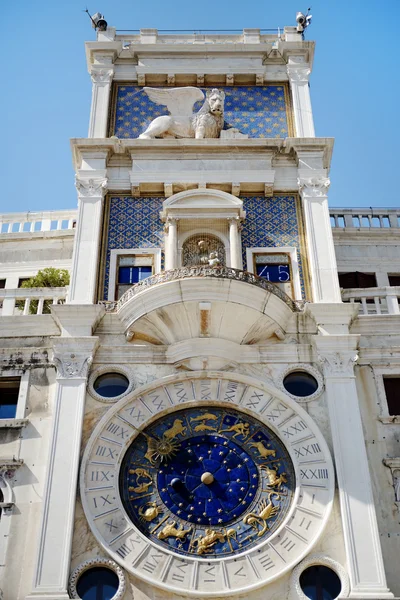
(205, 399)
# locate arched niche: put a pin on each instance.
(203, 212)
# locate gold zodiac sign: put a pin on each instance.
(170, 530)
(176, 429)
(273, 479)
(205, 417)
(267, 511)
(239, 429)
(141, 486)
(202, 426)
(206, 542)
(151, 512)
(263, 451)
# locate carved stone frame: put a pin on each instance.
(296, 593)
(97, 562)
(110, 369)
(306, 368)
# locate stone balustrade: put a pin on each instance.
(16, 302)
(37, 221)
(363, 218)
(375, 300)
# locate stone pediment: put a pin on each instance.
(200, 201)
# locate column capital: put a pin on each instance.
(170, 221)
(337, 354)
(313, 186)
(91, 187)
(73, 356)
(101, 75)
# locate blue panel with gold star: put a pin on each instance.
(207, 481)
(133, 223)
(260, 112)
(272, 223)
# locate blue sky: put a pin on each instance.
(46, 89)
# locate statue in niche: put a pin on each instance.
(182, 122)
(203, 252)
(213, 260)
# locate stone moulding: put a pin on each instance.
(307, 368)
(204, 271)
(93, 563)
(296, 593)
(109, 369)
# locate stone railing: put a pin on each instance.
(37, 221)
(21, 301)
(364, 218)
(206, 272)
(374, 301)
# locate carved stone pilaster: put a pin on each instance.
(339, 364)
(101, 76)
(91, 187)
(298, 74)
(316, 186)
(73, 357)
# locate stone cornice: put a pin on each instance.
(290, 147)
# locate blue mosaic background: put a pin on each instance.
(271, 222)
(133, 223)
(259, 112)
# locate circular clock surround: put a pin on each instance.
(227, 473)
(207, 573)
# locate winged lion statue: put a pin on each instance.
(182, 122)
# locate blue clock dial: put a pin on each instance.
(207, 481)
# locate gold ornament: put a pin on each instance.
(262, 450)
(272, 475)
(239, 429)
(170, 530)
(206, 542)
(267, 511)
(151, 512)
(140, 487)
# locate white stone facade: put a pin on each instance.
(189, 325)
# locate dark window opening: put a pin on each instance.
(9, 391)
(320, 583)
(394, 280)
(357, 280)
(21, 281)
(98, 583)
(2, 284)
(111, 385)
(392, 391)
(133, 275)
(300, 383)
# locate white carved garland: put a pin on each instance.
(296, 593)
(235, 574)
(306, 368)
(97, 562)
(110, 369)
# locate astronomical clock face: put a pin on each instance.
(207, 485)
(207, 481)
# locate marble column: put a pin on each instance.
(91, 192)
(235, 244)
(102, 75)
(171, 243)
(298, 73)
(72, 357)
(338, 354)
(313, 186)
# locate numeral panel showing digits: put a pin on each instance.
(180, 481)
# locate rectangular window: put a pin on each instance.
(357, 280)
(394, 279)
(2, 284)
(132, 269)
(9, 391)
(21, 281)
(392, 391)
(275, 268)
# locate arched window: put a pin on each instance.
(199, 249)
